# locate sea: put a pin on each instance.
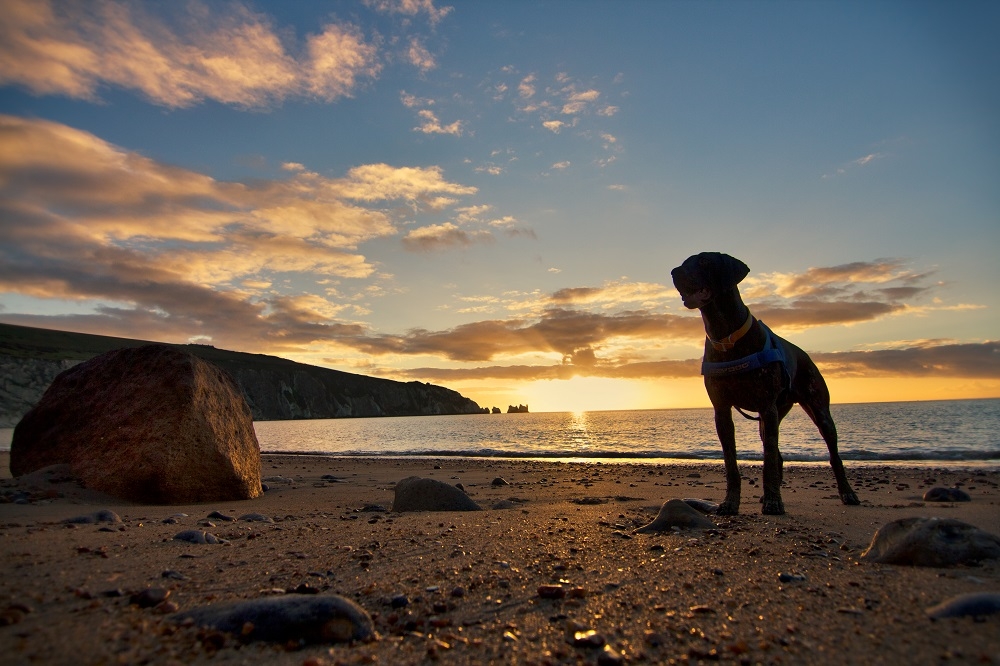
(946, 433)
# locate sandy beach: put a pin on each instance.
(464, 587)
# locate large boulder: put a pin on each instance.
(150, 424)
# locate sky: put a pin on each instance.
(490, 196)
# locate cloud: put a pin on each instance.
(431, 125)
(969, 360)
(557, 330)
(443, 236)
(194, 52)
(420, 57)
(411, 8)
(165, 250)
(978, 360)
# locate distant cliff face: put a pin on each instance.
(22, 383)
(274, 388)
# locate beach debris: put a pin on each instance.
(701, 506)
(499, 481)
(677, 514)
(102, 516)
(931, 542)
(320, 618)
(218, 515)
(150, 424)
(421, 494)
(199, 537)
(976, 604)
(939, 494)
(256, 518)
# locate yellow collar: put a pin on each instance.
(728, 342)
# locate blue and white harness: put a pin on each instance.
(771, 352)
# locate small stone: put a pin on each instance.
(609, 657)
(218, 515)
(939, 494)
(551, 591)
(977, 604)
(199, 537)
(791, 578)
(256, 518)
(173, 575)
(458, 592)
(373, 508)
(294, 619)
(278, 480)
(499, 481)
(151, 596)
(588, 638)
(399, 601)
(102, 516)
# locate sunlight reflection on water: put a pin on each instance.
(960, 431)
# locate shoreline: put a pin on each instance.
(687, 596)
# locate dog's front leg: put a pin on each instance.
(769, 423)
(726, 430)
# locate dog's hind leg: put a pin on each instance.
(726, 431)
(773, 473)
(820, 415)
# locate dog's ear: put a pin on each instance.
(724, 271)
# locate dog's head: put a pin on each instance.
(703, 276)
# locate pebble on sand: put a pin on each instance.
(311, 619)
(102, 516)
(939, 494)
(420, 494)
(931, 542)
(976, 604)
(198, 536)
(677, 513)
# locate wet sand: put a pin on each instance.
(759, 589)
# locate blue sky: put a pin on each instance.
(491, 196)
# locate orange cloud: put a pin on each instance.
(196, 53)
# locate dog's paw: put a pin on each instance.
(850, 498)
(728, 508)
(773, 507)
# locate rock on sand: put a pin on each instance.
(324, 618)
(419, 494)
(931, 542)
(677, 513)
(151, 424)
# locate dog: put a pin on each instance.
(748, 367)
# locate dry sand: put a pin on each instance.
(471, 579)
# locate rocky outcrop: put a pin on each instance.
(519, 409)
(151, 424)
(274, 388)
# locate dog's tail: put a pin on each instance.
(747, 416)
